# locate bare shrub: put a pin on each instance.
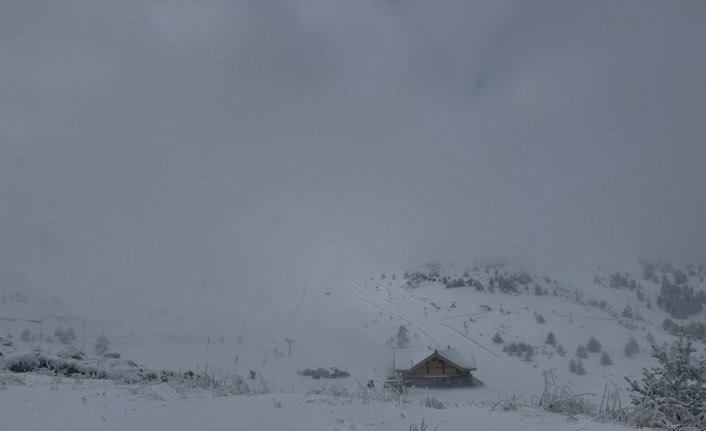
(65, 336)
(380, 392)
(332, 390)
(560, 399)
(422, 427)
(101, 345)
(432, 403)
(187, 383)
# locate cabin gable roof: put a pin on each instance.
(408, 361)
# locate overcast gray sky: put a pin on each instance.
(148, 145)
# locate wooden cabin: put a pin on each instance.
(433, 368)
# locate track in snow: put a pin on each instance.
(393, 313)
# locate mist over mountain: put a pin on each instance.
(156, 149)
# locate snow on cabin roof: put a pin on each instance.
(458, 358)
(408, 359)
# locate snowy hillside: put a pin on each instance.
(521, 328)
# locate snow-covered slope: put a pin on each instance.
(351, 324)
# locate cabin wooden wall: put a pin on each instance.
(436, 366)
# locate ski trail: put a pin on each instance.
(388, 311)
(316, 308)
(17, 319)
(456, 316)
(469, 339)
(299, 304)
(362, 287)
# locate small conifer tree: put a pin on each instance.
(605, 359)
(402, 338)
(593, 345)
(551, 339)
(631, 348)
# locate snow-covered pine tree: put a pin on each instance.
(572, 365)
(593, 345)
(605, 359)
(631, 348)
(560, 350)
(551, 339)
(580, 370)
(674, 393)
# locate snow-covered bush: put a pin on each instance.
(331, 390)
(38, 363)
(674, 393)
(65, 336)
(541, 319)
(581, 352)
(497, 338)
(519, 349)
(381, 392)
(189, 382)
(432, 403)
